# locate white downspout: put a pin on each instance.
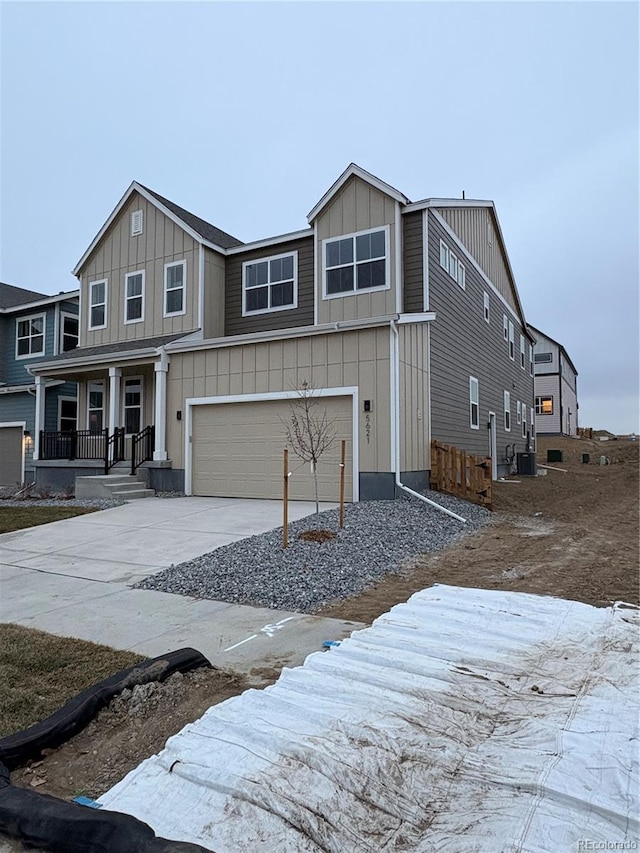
(395, 394)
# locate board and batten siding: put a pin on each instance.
(475, 227)
(118, 253)
(357, 207)
(463, 344)
(236, 324)
(413, 261)
(340, 359)
(415, 454)
(214, 294)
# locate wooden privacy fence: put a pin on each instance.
(458, 473)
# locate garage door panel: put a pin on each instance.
(10, 455)
(237, 451)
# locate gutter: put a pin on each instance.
(395, 432)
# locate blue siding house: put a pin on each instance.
(32, 326)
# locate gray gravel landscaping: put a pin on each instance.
(379, 538)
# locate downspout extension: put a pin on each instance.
(395, 353)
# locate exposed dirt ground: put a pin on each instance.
(573, 535)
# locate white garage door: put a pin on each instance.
(237, 451)
(10, 455)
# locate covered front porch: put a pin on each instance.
(121, 416)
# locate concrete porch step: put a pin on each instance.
(123, 486)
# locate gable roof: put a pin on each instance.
(11, 296)
(353, 170)
(199, 229)
(557, 343)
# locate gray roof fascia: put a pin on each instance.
(270, 241)
(558, 344)
(41, 303)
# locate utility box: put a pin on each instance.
(554, 456)
(585, 458)
(526, 463)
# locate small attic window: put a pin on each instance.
(136, 223)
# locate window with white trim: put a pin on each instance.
(450, 262)
(505, 327)
(486, 307)
(68, 332)
(136, 223)
(531, 359)
(356, 262)
(444, 256)
(30, 336)
(461, 275)
(544, 405)
(507, 411)
(524, 421)
(512, 345)
(533, 425)
(453, 265)
(270, 284)
(67, 414)
(95, 406)
(132, 407)
(474, 403)
(98, 304)
(175, 275)
(134, 297)
(519, 411)
(522, 353)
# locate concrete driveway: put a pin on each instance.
(74, 577)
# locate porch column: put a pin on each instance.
(114, 398)
(160, 419)
(40, 391)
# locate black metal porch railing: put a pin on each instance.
(142, 446)
(115, 449)
(86, 444)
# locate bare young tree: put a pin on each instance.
(309, 430)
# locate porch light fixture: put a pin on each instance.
(27, 434)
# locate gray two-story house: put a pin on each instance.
(555, 387)
(403, 316)
(32, 326)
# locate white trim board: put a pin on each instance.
(346, 391)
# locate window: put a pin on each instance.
(519, 411)
(68, 332)
(357, 262)
(533, 426)
(512, 348)
(505, 327)
(507, 411)
(531, 359)
(134, 297)
(95, 406)
(174, 284)
(136, 223)
(453, 266)
(67, 414)
(132, 405)
(543, 357)
(30, 336)
(486, 307)
(461, 275)
(98, 304)
(544, 405)
(270, 284)
(522, 353)
(444, 256)
(524, 421)
(474, 407)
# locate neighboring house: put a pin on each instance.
(404, 316)
(556, 388)
(32, 325)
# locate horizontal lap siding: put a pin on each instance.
(236, 324)
(413, 262)
(463, 345)
(548, 386)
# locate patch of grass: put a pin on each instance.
(21, 517)
(40, 672)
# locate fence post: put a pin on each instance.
(343, 454)
(285, 500)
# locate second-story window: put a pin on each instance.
(356, 262)
(522, 353)
(270, 284)
(30, 336)
(174, 284)
(134, 297)
(512, 348)
(68, 332)
(98, 304)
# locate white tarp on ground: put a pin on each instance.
(463, 720)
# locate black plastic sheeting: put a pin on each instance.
(17, 749)
(47, 823)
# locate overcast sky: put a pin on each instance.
(245, 113)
